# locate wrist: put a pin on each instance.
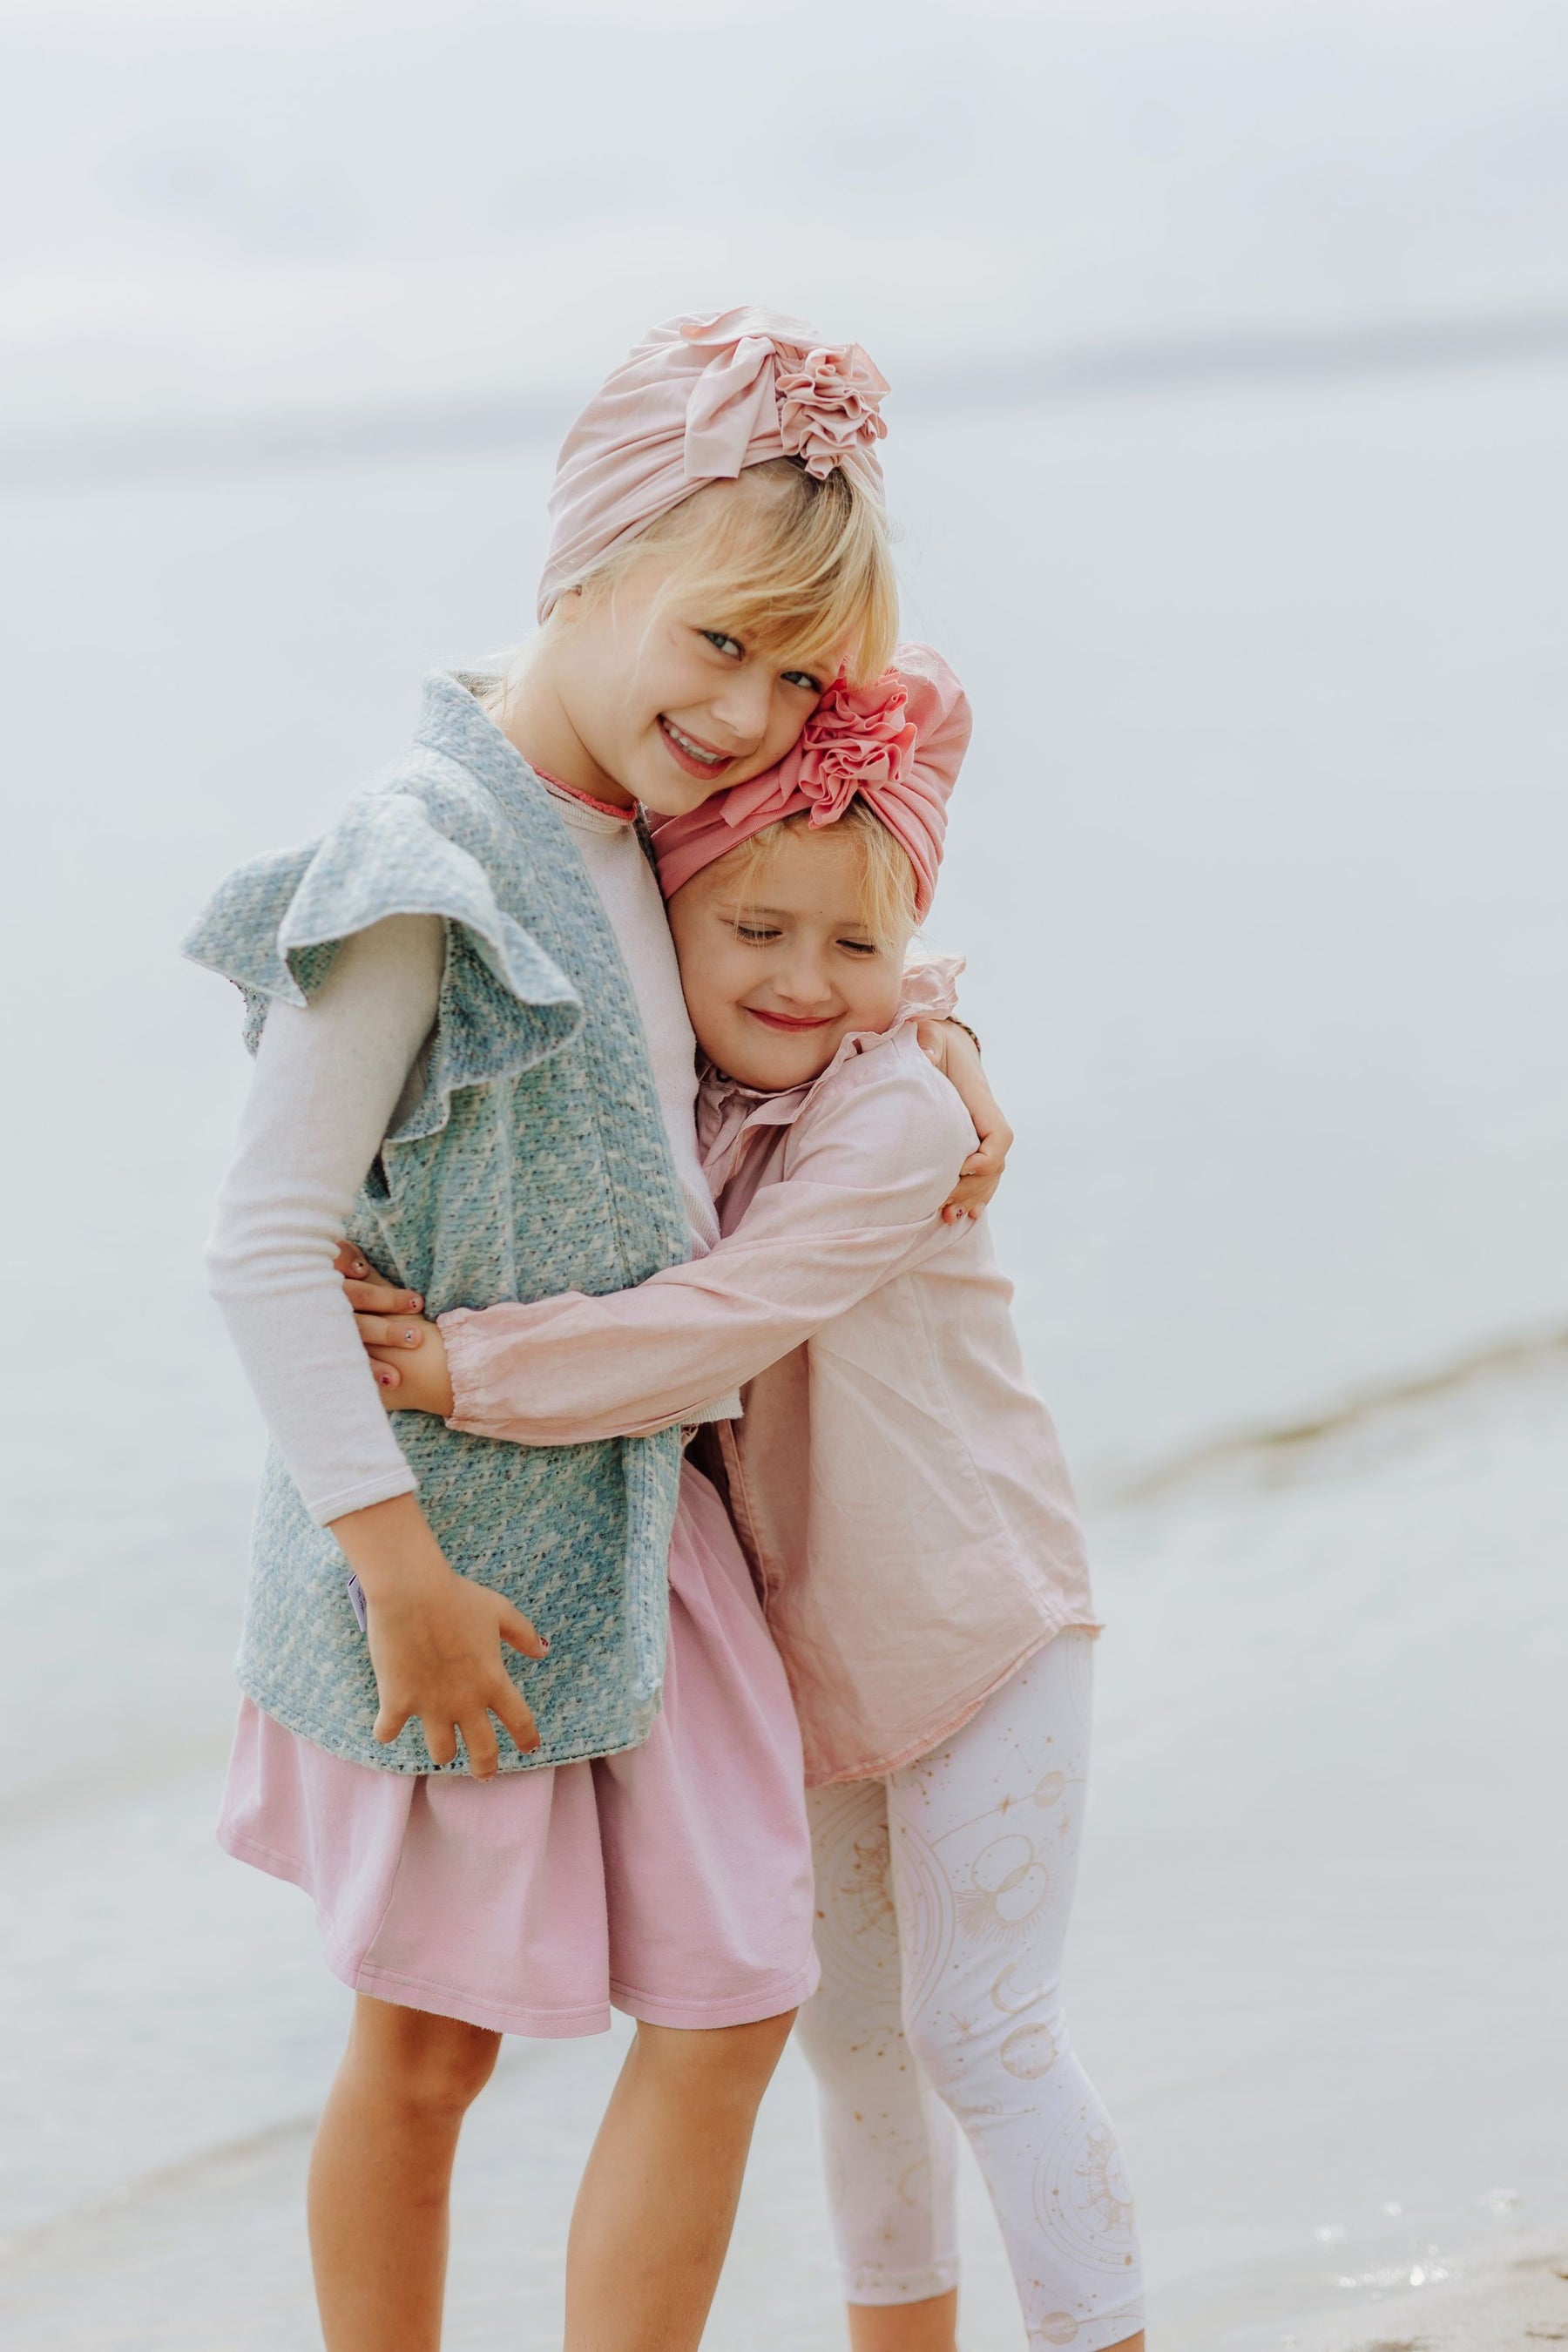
(391, 1550)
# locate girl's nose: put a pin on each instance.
(802, 979)
(744, 706)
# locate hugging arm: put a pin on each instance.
(955, 1051)
(860, 1204)
(930, 996)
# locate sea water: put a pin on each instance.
(1257, 861)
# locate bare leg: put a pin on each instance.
(657, 2202)
(926, 2327)
(923, 2326)
(381, 2175)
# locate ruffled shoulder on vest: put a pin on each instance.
(274, 928)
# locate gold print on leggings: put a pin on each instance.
(1029, 2051)
(913, 2186)
(1006, 1997)
(1083, 2195)
(1007, 1885)
(927, 1928)
(865, 1896)
(856, 1931)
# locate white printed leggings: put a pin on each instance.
(943, 1894)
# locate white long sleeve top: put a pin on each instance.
(330, 1082)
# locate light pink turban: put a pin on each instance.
(699, 401)
(899, 742)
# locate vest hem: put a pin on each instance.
(382, 1758)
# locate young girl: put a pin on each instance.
(472, 1056)
(905, 1506)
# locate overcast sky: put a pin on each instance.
(244, 205)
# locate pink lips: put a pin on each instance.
(712, 768)
(782, 1021)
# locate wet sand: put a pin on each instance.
(1285, 1973)
(1511, 2304)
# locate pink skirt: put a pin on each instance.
(673, 1882)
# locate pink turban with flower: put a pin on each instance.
(699, 401)
(898, 743)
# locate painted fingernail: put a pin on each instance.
(544, 1641)
(418, 1302)
(360, 1266)
(410, 1335)
(384, 1379)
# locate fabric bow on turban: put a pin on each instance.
(699, 401)
(898, 743)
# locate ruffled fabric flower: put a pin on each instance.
(858, 739)
(829, 403)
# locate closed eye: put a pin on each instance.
(754, 936)
(860, 946)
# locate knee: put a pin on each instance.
(937, 2046)
(761, 2047)
(733, 2064)
(975, 2060)
(432, 2067)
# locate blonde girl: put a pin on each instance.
(905, 1508)
(536, 1757)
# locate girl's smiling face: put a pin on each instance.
(778, 965)
(691, 655)
(668, 705)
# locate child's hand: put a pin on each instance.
(957, 1057)
(410, 1359)
(407, 1353)
(434, 1638)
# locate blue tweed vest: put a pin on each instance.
(535, 1160)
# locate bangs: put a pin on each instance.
(799, 568)
(885, 882)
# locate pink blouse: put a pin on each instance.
(897, 1483)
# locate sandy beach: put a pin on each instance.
(1339, 2142)
(214, 2261)
(1517, 2300)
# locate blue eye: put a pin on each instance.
(804, 678)
(725, 643)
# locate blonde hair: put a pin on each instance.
(886, 879)
(782, 558)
